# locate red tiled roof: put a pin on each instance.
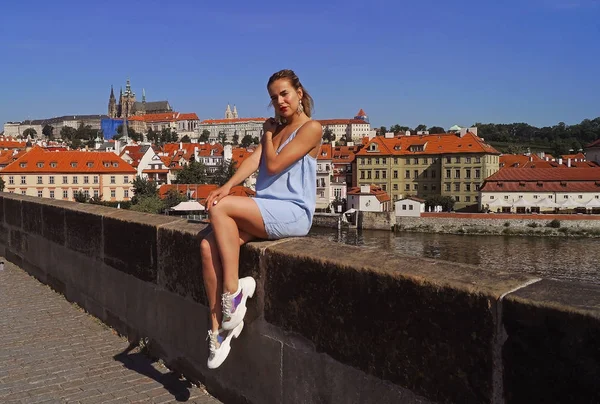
(232, 120)
(513, 160)
(381, 195)
(345, 154)
(542, 186)
(325, 152)
(325, 122)
(361, 113)
(433, 144)
(414, 198)
(12, 144)
(239, 154)
(62, 162)
(156, 171)
(578, 156)
(595, 143)
(546, 174)
(200, 191)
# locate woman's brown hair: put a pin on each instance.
(307, 101)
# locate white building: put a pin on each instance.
(73, 121)
(351, 130)
(409, 207)
(368, 198)
(592, 151)
(541, 190)
(324, 173)
(231, 125)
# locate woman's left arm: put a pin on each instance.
(307, 138)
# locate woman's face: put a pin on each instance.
(284, 97)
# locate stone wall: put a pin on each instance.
(329, 323)
(376, 220)
(330, 220)
(501, 224)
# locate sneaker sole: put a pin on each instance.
(242, 306)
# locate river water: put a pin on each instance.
(563, 258)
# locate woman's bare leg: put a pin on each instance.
(232, 217)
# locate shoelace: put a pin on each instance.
(227, 303)
(212, 342)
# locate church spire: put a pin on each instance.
(235, 113)
(228, 114)
(112, 93)
(143, 95)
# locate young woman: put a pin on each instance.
(283, 207)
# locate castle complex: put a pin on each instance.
(128, 106)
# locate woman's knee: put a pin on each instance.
(206, 247)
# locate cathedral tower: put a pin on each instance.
(112, 104)
(228, 114)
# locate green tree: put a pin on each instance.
(235, 139)
(246, 141)
(135, 136)
(168, 135)
(446, 202)
(256, 140)
(224, 173)
(29, 132)
(152, 136)
(421, 127)
(76, 143)
(67, 133)
(397, 129)
(382, 131)
(142, 187)
(436, 129)
(204, 135)
(186, 139)
(2, 184)
(149, 204)
(173, 198)
(193, 173)
(81, 197)
(222, 138)
(48, 131)
(328, 135)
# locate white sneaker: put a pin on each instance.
(234, 305)
(219, 345)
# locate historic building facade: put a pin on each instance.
(128, 105)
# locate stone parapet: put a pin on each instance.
(329, 323)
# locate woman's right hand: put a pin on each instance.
(215, 196)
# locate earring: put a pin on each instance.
(300, 108)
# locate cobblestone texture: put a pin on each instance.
(51, 351)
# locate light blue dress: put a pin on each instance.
(287, 200)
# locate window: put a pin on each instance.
(376, 174)
(425, 160)
(506, 197)
(434, 187)
(566, 196)
(579, 196)
(457, 173)
(448, 175)
(395, 173)
(126, 193)
(40, 194)
(447, 187)
(74, 179)
(468, 187)
(86, 193)
(73, 164)
(416, 161)
(90, 164)
(11, 180)
(424, 187)
(448, 160)
(477, 173)
(112, 179)
(457, 160)
(40, 164)
(415, 187)
(66, 194)
(369, 174)
(383, 174)
(65, 180)
(468, 173)
(383, 160)
(425, 174)
(407, 187)
(408, 162)
(369, 160)
(53, 164)
(126, 178)
(477, 187)
(457, 187)
(403, 207)
(23, 180)
(395, 160)
(51, 179)
(96, 193)
(457, 198)
(432, 173)
(384, 187)
(39, 179)
(535, 196)
(377, 160)
(468, 161)
(416, 174)
(395, 187)
(410, 207)
(23, 165)
(407, 174)
(478, 159)
(492, 197)
(113, 193)
(52, 194)
(95, 179)
(23, 193)
(362, 174)
(86, 179)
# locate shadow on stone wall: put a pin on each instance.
(329, 324)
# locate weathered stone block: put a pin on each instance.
(54, 224)
(130, 243)
(552, 353)
(18, 241)
(1, 209)
(179, 260)
(12, 212)
(32, 217)
(84, 233)
(3, 234)
(425, 325)
(310, 377)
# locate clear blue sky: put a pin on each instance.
(431, 62)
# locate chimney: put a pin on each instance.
(473, 130)
(180, 145)
(569, 162)
(463, 131)
(332, 144)
(560, 160)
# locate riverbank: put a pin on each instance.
(502, 224)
